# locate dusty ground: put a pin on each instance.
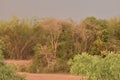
(31, 76)
(18, 62)
(51, 77)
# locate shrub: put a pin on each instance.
(59, 66)
(38, 63)
(43, 62)
(96, 67)
(38, 66)
(8, 72)
(23, 68)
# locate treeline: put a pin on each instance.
(52, 43)
(56, 38)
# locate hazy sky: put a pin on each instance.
(75, 9)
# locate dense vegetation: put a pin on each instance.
(8, 72)
(96, 67)
(52, 42)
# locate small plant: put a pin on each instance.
(23, 68)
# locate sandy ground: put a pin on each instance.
(18, 62)
(32, 76)
(51, 77)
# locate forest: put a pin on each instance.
(90, 47)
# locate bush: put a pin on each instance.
(96, 67)
(8, 72)
(59, 66)
(38, 63)
(38, 66)
(23, 68)
(45, 63)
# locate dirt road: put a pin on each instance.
(52, 77)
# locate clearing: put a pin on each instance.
(33, 76)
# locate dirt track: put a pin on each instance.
(51, 77)
(18, 62)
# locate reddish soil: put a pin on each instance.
(18, 62)
(52, 77)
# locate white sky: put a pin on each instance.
(75, 9)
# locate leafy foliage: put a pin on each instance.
(42, 62)
(95, 67)
(8, 72)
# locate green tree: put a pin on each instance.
(65, 43)
(18, 38)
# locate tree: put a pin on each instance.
(84, 35)
(49, 38)
(65, 43)
(18, 38)
(114, 27)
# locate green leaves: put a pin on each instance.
(95, 67)
(8, 72)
